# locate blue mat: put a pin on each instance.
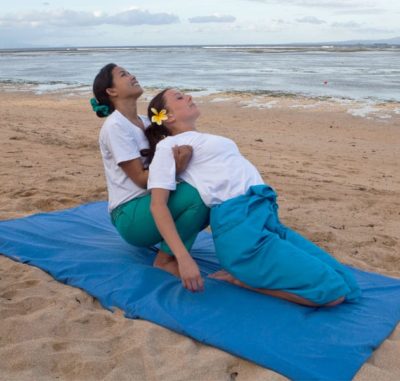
(81, 248)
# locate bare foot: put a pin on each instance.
(225, 276)
(335, 302)
(167, 263)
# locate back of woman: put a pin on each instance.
(217, 168)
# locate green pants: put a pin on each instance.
(136, 225)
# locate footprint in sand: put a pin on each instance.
(57, 178)
(25, 192)
(25, 284)
(60, 346)
(322, 237)
(23, 306)
(52, 203)
(387, 240)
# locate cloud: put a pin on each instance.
(310, 20)
(377, 30)
(139, 17)
(323, 3)
(280, 21)
(65, 17)
(214, 18)
(359, 11)
(42, 18)
(346, 24)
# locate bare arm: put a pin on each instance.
(135, 171)
(188, 268)
(182, 155)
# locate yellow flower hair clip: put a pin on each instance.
(159, 117)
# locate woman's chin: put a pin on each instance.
(135, 92)
(139, 91)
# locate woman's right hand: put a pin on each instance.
(190, 274)
(182, 155)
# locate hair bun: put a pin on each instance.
(100, 110)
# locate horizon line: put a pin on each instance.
(292, 44)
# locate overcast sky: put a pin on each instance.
(58, 23)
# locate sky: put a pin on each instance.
(57, 23)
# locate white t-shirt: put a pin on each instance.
(120, 140)
(217, 169)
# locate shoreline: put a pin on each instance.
(338, 183)
(80, 89)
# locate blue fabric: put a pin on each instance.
(254, 246)
(80, 247)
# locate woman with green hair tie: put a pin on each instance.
(123, 145)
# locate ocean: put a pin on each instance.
(349, 72)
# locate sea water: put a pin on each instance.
(352, 72)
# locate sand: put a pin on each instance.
(334, 164)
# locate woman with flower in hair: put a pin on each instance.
(122, 143)
(254, 248)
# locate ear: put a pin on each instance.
(171, 118)
(111, 91)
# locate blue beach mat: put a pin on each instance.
(81, 248)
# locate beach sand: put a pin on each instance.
(333, 163)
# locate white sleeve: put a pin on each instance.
(122, 143)
(162, 169)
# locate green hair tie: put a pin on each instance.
(97, 107)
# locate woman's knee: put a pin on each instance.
(188, 195)
(141, 235)
(187, 199)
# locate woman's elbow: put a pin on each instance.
(142, 184)
(141, 181)
(159, 201)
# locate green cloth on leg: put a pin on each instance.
(136, 224)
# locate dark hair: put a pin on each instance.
(155, 133)
(103, 81)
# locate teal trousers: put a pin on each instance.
(136, 224)
(255, 247)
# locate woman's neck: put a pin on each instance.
(128, 108)
(179, 128)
